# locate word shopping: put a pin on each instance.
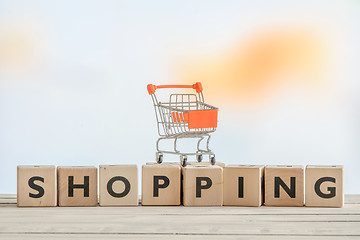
(197, 184)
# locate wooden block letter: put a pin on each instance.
(161, 184)
(36, 186)
(324, 186)
(243, 185)
(202, 185)
(284, 185)
(77, 186)
(118, 185)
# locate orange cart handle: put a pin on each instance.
(152, 88)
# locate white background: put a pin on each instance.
(73, 78)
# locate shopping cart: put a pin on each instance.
(184, 116)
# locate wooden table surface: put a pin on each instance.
(179, 222)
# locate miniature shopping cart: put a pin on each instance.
(184, 116)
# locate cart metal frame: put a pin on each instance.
(172, 122)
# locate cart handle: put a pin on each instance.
(151, 88)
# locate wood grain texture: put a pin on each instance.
(206, 163)
(164, 236)
(72, 180)
(292, 177)
(324, 186)
(243, 185)
(36, 186)
(123, 183)
(178, 222)
(161, 184)
(202, 185)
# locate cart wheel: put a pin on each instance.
(199, 158)
(159, 157)
(183, 160)
(212, 159)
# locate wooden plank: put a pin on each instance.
(162, 222)
(7, 196)
(350, 209)
(161, 236)
(184, 225)
(352, 199)
(8, 201)
(45, 218)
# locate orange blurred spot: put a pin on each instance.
(19, 45)
(252, 69)
(15, 47)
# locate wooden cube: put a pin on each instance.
(324, 186)
(36, 186)
(202, 185)
(284, 185)
(118, 185)
(206, 163)
(77, 186)
(243, 185)
(161, 184)
(171, 163)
